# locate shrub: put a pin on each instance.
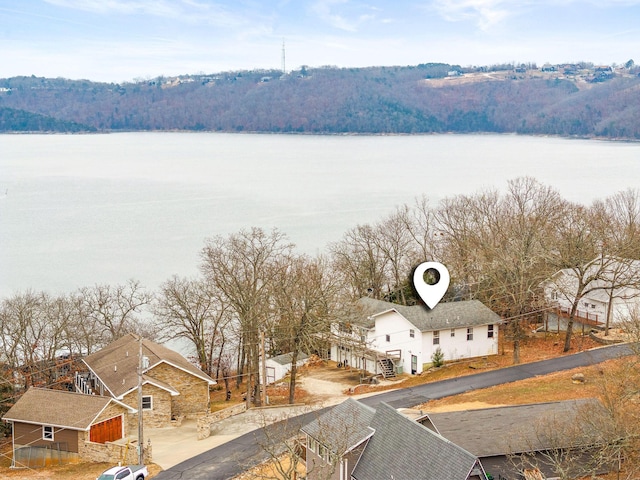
(437, 358)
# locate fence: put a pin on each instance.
(43, 456)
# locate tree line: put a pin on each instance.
(330, 100)
(501, 247)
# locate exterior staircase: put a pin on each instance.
(387, 367)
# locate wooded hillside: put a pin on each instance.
(574, 100)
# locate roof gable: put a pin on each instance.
(158, 383)
(116, 365)
(58, 408)
(343, 427)
(468, 313)
(401, 448)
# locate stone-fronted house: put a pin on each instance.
(391, 336)
(53, 425)
(354, 441)
(172, 387)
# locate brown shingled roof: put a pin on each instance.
(43, 406)
(116, 364)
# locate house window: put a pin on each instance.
(554, 295)
(490, 331)
(147, 402)
(412, 333)
(453, 332)
(469, 334)
(436, 337)
(47, 432)
(312, 445)
(388, 338)
(323, 452)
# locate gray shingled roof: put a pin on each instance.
(343, 427)
(74, 411)
(116, 364)
(405, 450)
(512, 429)
(285, 358)
(468, 313)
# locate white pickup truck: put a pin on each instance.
(131, 472)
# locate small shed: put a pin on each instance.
(277, 367)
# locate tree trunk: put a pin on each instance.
(567, 338)
(606, 326)
(294, 370)
(516, 351)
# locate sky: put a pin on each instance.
(129, 40)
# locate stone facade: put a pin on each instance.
(160, 413)
(112, 452)
(193, 400)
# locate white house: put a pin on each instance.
(277, 367)
(409, 335)
(612, 291)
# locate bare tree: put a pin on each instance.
(243, 268)
(420, 225)
(306, 303)
(115, 310)
(360, 262)
(395, 242)
(586, 260)
(496, 245)
(568, 446)
(190, 309)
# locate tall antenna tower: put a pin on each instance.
(284, 69)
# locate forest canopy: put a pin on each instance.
(569, 100)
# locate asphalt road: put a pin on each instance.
(232, 458)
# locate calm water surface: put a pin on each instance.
(76, 210)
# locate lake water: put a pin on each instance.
(76, 210)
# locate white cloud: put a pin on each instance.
(485, 13)
(187, 11)
(347, 19)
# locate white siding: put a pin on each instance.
(398, 330)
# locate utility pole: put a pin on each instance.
(263, 384)
(284, 69)
(140, 423)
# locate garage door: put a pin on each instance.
(107, 431)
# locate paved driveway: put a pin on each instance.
(173, 445)
(232, 458)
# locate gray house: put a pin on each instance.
(509, 439)
(353, 441)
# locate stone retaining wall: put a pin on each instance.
(203, 424)
(111, 452)
(604, 341)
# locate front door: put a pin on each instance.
(414, 364)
